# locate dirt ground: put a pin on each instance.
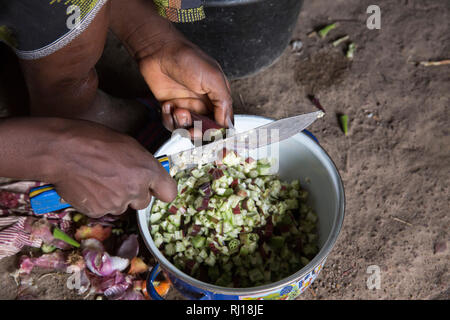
(395, 161)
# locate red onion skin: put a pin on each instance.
(213, 248)
(195, 229)
(173, 210)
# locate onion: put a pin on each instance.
(213, 248)
(217, 174)
(206, 189)
(195, 229)
(173, 209)
(204, 205)
(102, 264)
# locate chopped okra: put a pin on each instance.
(235, 224)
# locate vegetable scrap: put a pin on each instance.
(60, 235)
(96, 232)
(236, 224)
(162, 287)
(339, 41)
(137, 266)
(325, 30)
(343, 119)
(315, 101)
(401, 221)
(101, 264)
(351, 51)
(434, 63)
(440, 246)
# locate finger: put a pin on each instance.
(119, 211)
(218, 92)
(161, 184)
(182, 118)
(142, 202)
(200, 105)
(167, 118)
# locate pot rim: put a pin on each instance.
(317, 260)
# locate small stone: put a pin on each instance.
(296, 46)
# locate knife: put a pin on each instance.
(45, 199)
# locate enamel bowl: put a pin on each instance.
(299, 157)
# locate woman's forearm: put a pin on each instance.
(25, 147)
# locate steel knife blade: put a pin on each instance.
(270, 133)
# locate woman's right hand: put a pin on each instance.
(97, 170)
(100, 171)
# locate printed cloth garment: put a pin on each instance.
(20, 227)
(181, 10)
(38, 28)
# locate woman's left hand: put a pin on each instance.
(183, 78)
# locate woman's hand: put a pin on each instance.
(185, 79)
(99, 171)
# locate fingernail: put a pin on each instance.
(166, 108)
(181, 121)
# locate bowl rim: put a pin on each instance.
(320, 257)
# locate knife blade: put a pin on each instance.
(252, 139)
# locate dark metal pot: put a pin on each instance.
(244, 36)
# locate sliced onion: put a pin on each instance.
(102, 264)
(217, 174)
(206, 189)
(173, 209)
(204, 205)
(195, 229)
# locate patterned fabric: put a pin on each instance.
(19, 226)
(38, 28)
(181, 10)
(15, 233)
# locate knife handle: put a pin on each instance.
(164, 161)
(45, 199)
